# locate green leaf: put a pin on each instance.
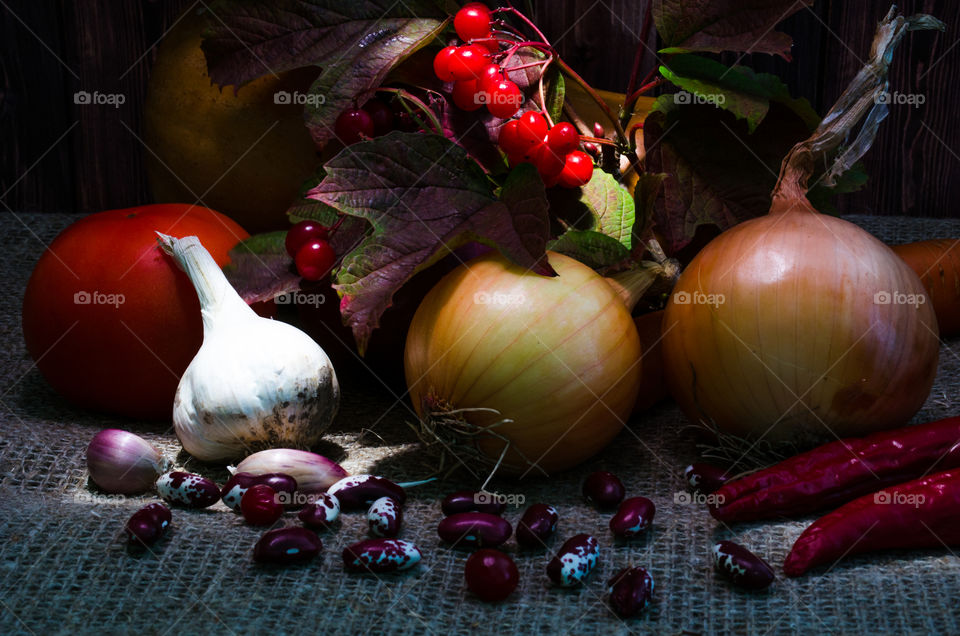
(644, 198)
(260, 268)
(250, 38)
(611, 206)
(687, 26)
(593, 249)
(556, 92)
(359, 69)
(423, 196)
(718, 173)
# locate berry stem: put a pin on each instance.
(621, 135)
(603, 141)
(641, 47)
(633, 97)
(528, 21)
(404, 97)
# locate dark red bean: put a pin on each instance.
(287, 545)
(475, 530)
(705, 478)
(320, 514)
(536, 525)
(187, 489)
(633, 517)
(148, 524)
(232, 491)
(491, 575)
(575, 561)
(381, 555)
(359, 491)
(260, 505)
(472, 501)
(603, 489)
(631, 590)
(385, 517)
(741, 566)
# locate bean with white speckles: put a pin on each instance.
(233, 490)
(705, 478)
(148, 524)
(320, 514)
(287, 545)
(384, 517)
(381, 555)
(187, 489)
(631, 590)
(741, 566)
(359, 491)
(575, 561)
(475, 530)
(536, 525)
(633, 517)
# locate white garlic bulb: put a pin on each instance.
(255, 383)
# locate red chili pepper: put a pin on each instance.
(840, 471)
(918, 514)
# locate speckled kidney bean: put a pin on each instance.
(603, 489)
(536, 525)
(359, 491)
(232, 491)
(148, 524)
(631, 590)
(320, 514)
(380, 555)
(475, 530)
(742, 567)
(575, 561)
(633, 517)
(287, 545)
(472, 501)
(385, 517)
(192, 491)
(705, 478)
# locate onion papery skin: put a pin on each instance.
(799, 351)
(559, 356)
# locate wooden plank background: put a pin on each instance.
(58, 156)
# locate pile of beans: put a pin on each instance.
(472, 521)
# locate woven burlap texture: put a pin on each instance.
(64, 568)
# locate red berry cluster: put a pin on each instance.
(308, 243)
(477, 82)
(553, 151)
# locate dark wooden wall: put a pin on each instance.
(60, 156)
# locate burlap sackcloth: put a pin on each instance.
(64, 568)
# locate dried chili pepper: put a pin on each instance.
(921, 513)
(837, 472)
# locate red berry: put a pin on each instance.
(489, 77)
(598, 130)
(467, 62)
(299, 234)
(441, 63)
(465, 95)
(504, 99)
(491, 575)
(529, 155)
(353, 125)
(533, 127)
(577, 170)
(563, 138)
(259, 505)
(492, 46)
(381, 115)
(549, 164)
(472, 21)
(315, 259)
(509, 139)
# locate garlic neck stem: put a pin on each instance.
(218, 299)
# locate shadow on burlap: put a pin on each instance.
(64, 568)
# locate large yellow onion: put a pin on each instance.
(799, 327)
(557, 359)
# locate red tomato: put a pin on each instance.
(110, 320)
